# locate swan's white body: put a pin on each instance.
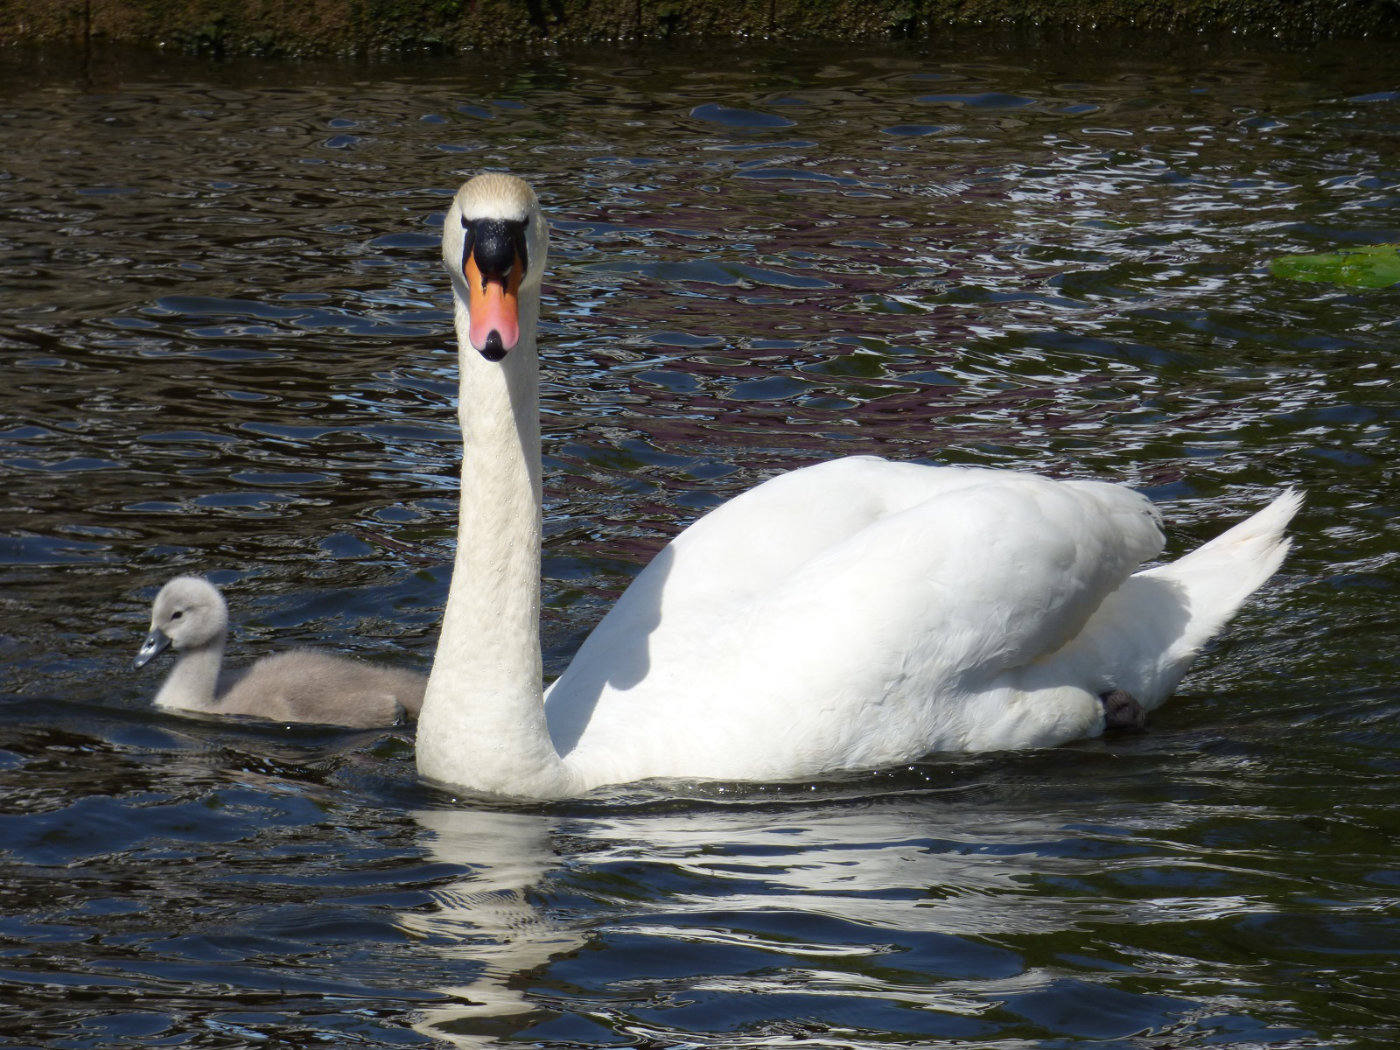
(848, 615)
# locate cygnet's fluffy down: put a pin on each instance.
(303, 685)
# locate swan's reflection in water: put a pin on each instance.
(936, 910)
(488, 919)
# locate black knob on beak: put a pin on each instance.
(494, 350)
(495, 245)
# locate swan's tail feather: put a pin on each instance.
(1215, 579)
(1144, 636)
(1220, 574)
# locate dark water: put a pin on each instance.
(226, 349)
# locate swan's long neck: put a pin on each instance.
(192, 682)
(483, 723)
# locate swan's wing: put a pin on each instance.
(841, 579)
(750, 545)
(736, 554)
(1016, 557)
(969, 582)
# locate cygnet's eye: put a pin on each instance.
(177, 614)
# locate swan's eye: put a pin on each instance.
(518, 239)
(177, 614)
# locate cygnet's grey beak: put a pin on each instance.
(153, 646)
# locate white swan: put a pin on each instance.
(848, 615)
(302, 685)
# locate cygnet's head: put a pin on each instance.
(494, 242)
(189, 612)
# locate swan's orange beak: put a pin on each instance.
(494, 307)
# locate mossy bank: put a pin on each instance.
(348, 26)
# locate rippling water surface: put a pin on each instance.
(226, 349)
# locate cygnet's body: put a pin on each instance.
(302, 685)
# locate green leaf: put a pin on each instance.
(1374, 266)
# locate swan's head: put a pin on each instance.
(494, 241)
(188, 612)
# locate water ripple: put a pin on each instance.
(227, 345)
